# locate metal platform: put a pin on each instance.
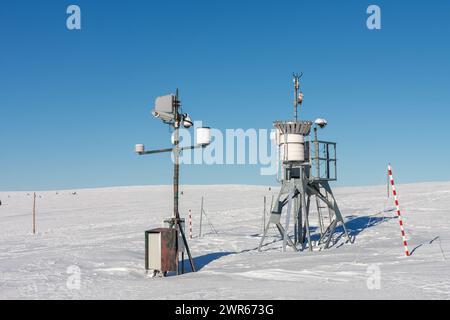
(294, 127)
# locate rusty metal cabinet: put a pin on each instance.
(161, 249)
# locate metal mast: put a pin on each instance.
(298, 98)
(167, 109)
(176, 178)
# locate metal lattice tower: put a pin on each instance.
(305, 169)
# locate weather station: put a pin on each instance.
(164, 245)
(305, 168)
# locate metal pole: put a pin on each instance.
(182, 262)
(177, 261)
(264, 214)
(201, 220)
(176, 165)
(319, 214)
(190, 224)
(288, 216)
(387, 183)
(34, 213)
(295, 97)
(296, 220)
(176, 176)
(308, 232)
(305, 206)
(328, 161)
(176, 173)
(300, 222)
(316, 151)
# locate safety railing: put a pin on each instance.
(322, 157)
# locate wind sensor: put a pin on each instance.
(167, 109)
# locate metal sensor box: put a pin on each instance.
(161, 249)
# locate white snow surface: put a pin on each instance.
(101, 231)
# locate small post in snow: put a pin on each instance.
(264, 215)
(190, 224)
(34, 213)
(400, 220)
(201, 218)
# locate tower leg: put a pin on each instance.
(335, 208)
(296, 220)
(330, 236)
(289, 195)
(320, 217)
(300, 221)
(305, 206)
(280, 230)
(307, 219)
(335, 214)
(288, 217)
(286, 236)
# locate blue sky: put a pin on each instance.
(74, 103)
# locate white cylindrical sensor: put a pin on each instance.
(293, 147)
(203, 136)
(139, 148)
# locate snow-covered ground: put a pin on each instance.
(101, 231)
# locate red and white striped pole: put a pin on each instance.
(400, 219)
(190, 224)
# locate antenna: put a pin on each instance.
(298, 97)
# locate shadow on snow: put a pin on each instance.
(201, 261)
